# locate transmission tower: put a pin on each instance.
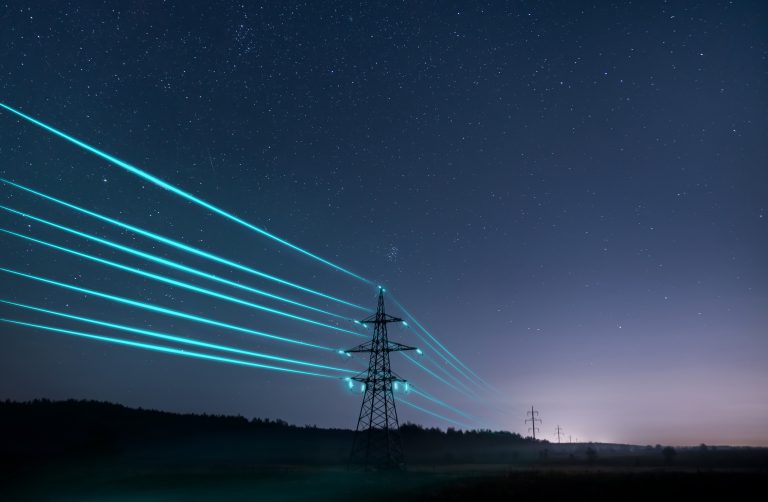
(558, 431)
(533, 414)
(377, 443)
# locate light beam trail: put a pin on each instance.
(167, 186)
(431, 373)
(209, 357)
(424, 394)
(174, 338)
(448, 361)
(163, 310)
(180, 245)
(182, 267)
(181, 193)
(437, 415)
(171, 281)
(181, 284)
(442, 403)
(218, 259)
(442, 346)
(435, 400)
(167, 350)
(447, 373)
(435, 375)
(431, 398)
(171, 264)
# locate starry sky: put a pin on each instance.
(571, 196)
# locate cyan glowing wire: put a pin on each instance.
(448, 361)
(424, 394)
(441, 403)
(145, 175)
(435, 375)
(168, 350)
(186, 195)
(466, 391)
(201, 355)
(169, 263)
(436, 415)
(221, 260)
(184, 247)
(449, 374)
(439, 366)
(162, 310)
(415, 321)
(181, 284)
(174, 338)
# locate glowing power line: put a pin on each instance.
(450, 375)
(174, 338)
(177, 191)
(432, 413)
(181, 246)
(443, 347)
(218, 259)
(169, 263)
(182, 267)
(167, 350)
(436, 376)
(445, 405)
(166, 311)
(181, 193)
(203, 356)
(181, 284)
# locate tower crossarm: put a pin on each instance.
(391, 347)
(398, 347)
(363, 347)
(380, 319)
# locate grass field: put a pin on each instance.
(87, 451)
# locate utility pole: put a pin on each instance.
(533, 414)
(559, 431)
(377, 443)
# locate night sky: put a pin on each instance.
(571, 196)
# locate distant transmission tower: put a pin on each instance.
(559, 431)
(377, 443)
(533, 414)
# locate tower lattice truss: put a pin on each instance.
(377, 443)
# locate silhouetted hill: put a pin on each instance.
(43, 430)
(40, 432)
(87, 450)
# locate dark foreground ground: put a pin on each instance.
(86, 451)
(295, 483)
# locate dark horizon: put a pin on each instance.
(99, 411)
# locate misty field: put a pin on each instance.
(111, 483)
(89, 451)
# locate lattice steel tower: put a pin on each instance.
(377, 443)
(559, 432)
(534, 418)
